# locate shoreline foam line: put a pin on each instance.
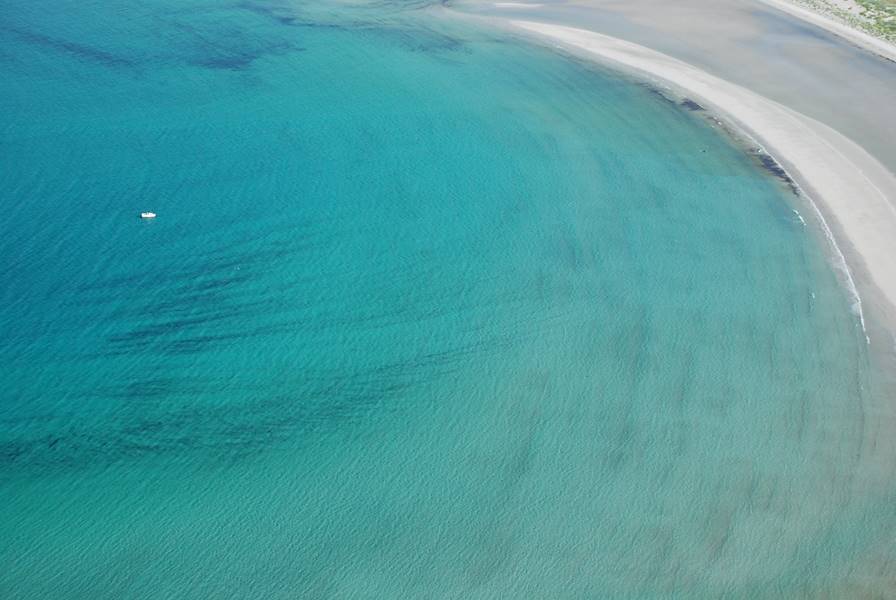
(847, 187)
(842, 263)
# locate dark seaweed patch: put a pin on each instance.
(417, 39)
(200, 303)
(772, 166)
(230, 63)
(271, 12)
(230, 48)
(238, 60)
(657, 92)
(79, 51)
(174, 415)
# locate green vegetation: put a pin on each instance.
(881, 17)
(876, 17)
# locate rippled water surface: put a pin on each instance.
(426, 312)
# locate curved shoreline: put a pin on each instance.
(850, 191)
(872, 44)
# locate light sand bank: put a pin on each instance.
(749, 43)
(853, 191)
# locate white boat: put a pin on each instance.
(147, 215)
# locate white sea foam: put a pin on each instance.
(840, 262)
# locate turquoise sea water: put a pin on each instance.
(426, 313)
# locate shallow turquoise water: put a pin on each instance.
(426, 312)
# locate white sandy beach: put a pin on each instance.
(849, 189)
(852, 191)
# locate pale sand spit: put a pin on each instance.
(853, 193)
